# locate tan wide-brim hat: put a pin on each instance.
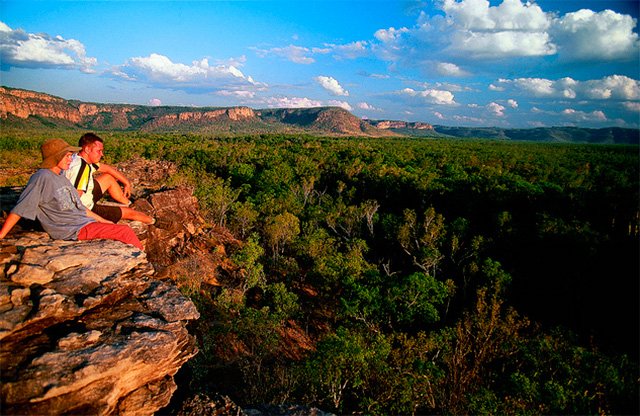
(53, 150)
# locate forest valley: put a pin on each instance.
(429, 276)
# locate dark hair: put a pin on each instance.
(89, 138)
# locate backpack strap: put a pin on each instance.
(84, 175)
(83, 167)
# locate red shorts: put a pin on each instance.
(118, 232)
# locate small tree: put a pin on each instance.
(343, 364)
(421, 240)
(480, 339)
(216, 197)
(248, 260)
(244, 218)
(281, 230)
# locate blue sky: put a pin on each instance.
(451, 62)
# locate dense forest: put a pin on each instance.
(427, 276)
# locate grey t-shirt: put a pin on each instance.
(52, 200)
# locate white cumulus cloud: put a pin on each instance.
(614, 87)
(351, 50)
(475, 29)
(632, 106)
(449, 69)
(509, 15)
(483, 30)
(155, 102)
(342, 104)
(22, 49)
(366, 106)
(496, 109)
(243, 94)
(493, 45)
(390, 35)
(587, 35)
(292, 102)
(581, 116)
(293, 53)
(160, 71)
(331, 84)
(431, 96)
(392, 45)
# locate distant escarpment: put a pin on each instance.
(322, 119)
(20, 105)
(568, 134)
(22, 108)
(397, 125)
(23, 104)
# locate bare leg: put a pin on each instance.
(133, 215)
(110, 185)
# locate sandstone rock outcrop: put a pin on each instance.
(22, 104)
(104, 116)
(50, 111)
(92, 327)
(87, 328)
(98, 327)
(397, 124)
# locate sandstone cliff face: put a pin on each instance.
(106, 116)
(340, 121)
(200, 117)
(331, 120)
(326, 120)
(388, 124)
(87, 328)
(23, 104)
(395, 124)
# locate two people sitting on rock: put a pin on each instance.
(51, 199)
(93, 180)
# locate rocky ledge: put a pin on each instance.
(98, 327)
(87, 328)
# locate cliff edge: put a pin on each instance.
(87, 328)
(97, 327)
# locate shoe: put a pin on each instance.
(166, 224)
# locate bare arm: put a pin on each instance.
(126, 183)
(11, 220)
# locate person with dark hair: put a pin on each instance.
(50, 198)
(93, 180)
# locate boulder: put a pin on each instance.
(87, 328)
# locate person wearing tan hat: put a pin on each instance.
(50, 198)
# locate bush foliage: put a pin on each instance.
(414, 276)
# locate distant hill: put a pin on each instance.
(607, 135)
(38, 109)
(34, 109)
(323, 119)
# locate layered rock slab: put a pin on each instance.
(87, 328)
